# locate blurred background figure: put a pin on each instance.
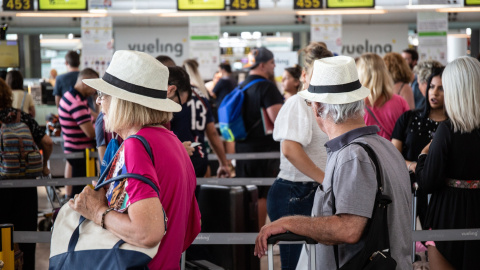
(291, 81)
(53, 76)
(21, 99)
(382, 106)
(401, 75)
(166, 60)
(191, 66)
(225, 84)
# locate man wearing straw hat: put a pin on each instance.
(349, 187)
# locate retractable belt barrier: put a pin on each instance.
(209, 238)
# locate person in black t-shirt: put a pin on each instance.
(415, 129)
(262, 98)
(224, 85)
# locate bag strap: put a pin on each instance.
(376, 120)
(138, 137)
(248, 85)
(401, 88)
(23, 100)
(374, 159)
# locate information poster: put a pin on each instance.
(200, 4)
(97, 42)
(350, 3)
(327, 29)
(62, 5)
(432, 30)
(204, 46)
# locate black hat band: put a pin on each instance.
(133, 88)
(335, 89)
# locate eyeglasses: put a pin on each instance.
(308, 102)
(101, 95)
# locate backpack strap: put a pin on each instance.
(23, 100)
(248, 85)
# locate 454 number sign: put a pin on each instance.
(16, 5)
(243, 4)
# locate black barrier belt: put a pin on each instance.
(249, 238)
(88, 180)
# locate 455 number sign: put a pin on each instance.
(17, 5)
(307, 4)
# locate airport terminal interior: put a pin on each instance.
(219, 42)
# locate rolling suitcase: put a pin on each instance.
(291, 237)
(227, 209)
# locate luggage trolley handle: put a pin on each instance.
(290, 237)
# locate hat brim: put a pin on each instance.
(336, 98)
(166, 105)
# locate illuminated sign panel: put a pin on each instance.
(350, 3)
(200, 4)
(62, 5)
(472, 3)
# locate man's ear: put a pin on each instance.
(171, 91)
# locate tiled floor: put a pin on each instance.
(43, 249)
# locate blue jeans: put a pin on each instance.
(287, 198)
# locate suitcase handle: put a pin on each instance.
(289, 237)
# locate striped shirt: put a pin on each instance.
(73, 111)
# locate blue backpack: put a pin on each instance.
(230, 117)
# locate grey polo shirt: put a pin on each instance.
(351, 175)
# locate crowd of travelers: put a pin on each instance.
(420, 119)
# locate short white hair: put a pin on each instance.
(461, 84)
(340, 113)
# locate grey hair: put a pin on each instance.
(340, 113)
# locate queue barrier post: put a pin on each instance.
(90, 164)
(7, 252)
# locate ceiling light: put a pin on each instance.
(342, 12)
(58, 14)
(457, 10)
(202, 14)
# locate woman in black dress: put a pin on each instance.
(415, 129)
(448, 168)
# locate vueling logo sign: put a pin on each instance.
(366, 48)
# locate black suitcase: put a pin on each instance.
(227, 209)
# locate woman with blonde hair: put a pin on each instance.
(401, 75)
(191, 66)
(382, 106)
(133, 97)
(448, 168)
(303, 156)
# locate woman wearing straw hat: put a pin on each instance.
(133, 96)
(382, 106)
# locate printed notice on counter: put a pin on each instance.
(204, 46)
(432, 30)
(327, 29)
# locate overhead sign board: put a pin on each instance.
(350, 3)
(200, 5)
(17, 5)
(62, 5)
(243, 4)
(307, 4)
(472, 3)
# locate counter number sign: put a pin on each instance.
(307, 4)
(243, 4)
(15, 5)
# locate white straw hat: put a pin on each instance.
(136, 77)
(335, 81)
